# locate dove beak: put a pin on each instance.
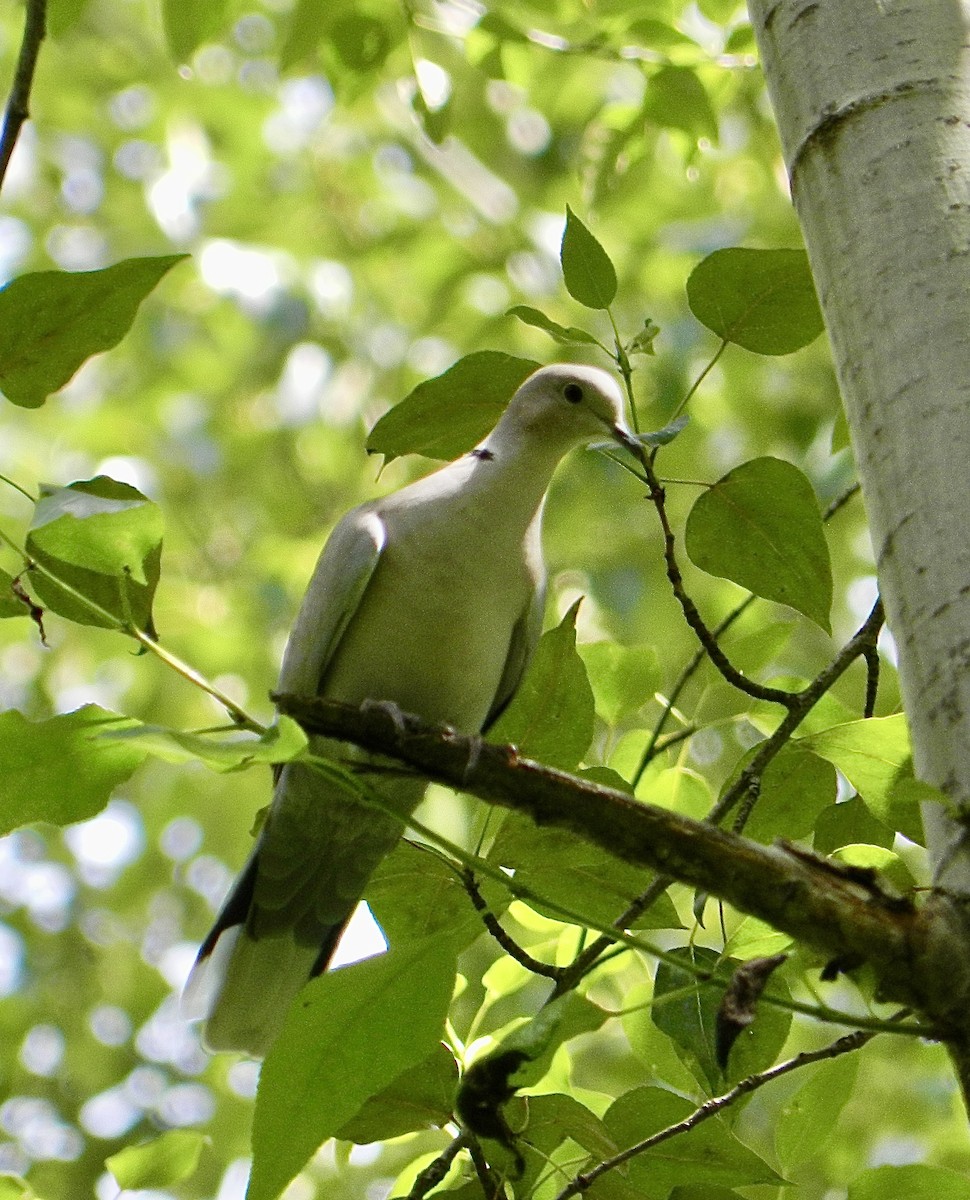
(622, 435)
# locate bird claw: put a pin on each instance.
(475, 747)
(390, 710)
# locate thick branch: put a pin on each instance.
(842, 911)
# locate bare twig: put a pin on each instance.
(705, 636)
(844, 1045)
(18, 102)
(494, 927)
(750, 778)
(435, 1171)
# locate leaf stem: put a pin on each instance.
(16, 486)
(699, 380)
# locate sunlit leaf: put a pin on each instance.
(349, 1035)
(10, 604)
(102, 539)
(677, 99)
(586, 268)
(421, 1097)
(764, 300)
(796, 786)
(415, 894)
(168, 1159)
(566, 870)
(565, 334)
(187, 26)
(60, 770)
(760, 526)
(550, 717)
(708, 1155)
(624, 678)
(51, 321)
(915, 1181)
(445, 416)
(875, 756)
(222, 750)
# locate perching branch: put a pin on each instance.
(846, 913)
(18, 102)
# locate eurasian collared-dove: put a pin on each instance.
(430, 598)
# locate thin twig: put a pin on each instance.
(435, 1171)
(710, 1108)
(690, 610)
(806, 699)
(654, 746)
(18, 102)
(508, 944)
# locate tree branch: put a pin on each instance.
(845, 912)
(18, 102)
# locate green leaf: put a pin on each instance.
(565, 334)
(759, 1045)
(10, 604)
(59, 770)
(795, 788)
(914, 1182)
(13, 1187)
(554, 1118)
(537, 1040)
(550, 717)
(754, 939)
(676, 99)
(624, 678)
(566, 870)
(420, 1098)
(643, 343)
(222, 750)
(361, 41)
(104, 539)
(168, 1159)
(658, 35)
(689, 1017)
(349, 1035)
(848, 824)
(51, 321)
(309, 19)
(445, 416)
(763, 300)
(415, 894)
(709, 1155)
(881, 859)
(760, 526)
(875, 756)
(586, 268)
(187, 26)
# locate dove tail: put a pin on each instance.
(242, 986)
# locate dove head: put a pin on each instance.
(568, 405)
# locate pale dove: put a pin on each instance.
(430, 598)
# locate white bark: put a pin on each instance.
(872, 99)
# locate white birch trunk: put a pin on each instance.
(872, 99)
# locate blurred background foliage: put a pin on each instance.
(364, 190)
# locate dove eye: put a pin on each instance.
(573, 393)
